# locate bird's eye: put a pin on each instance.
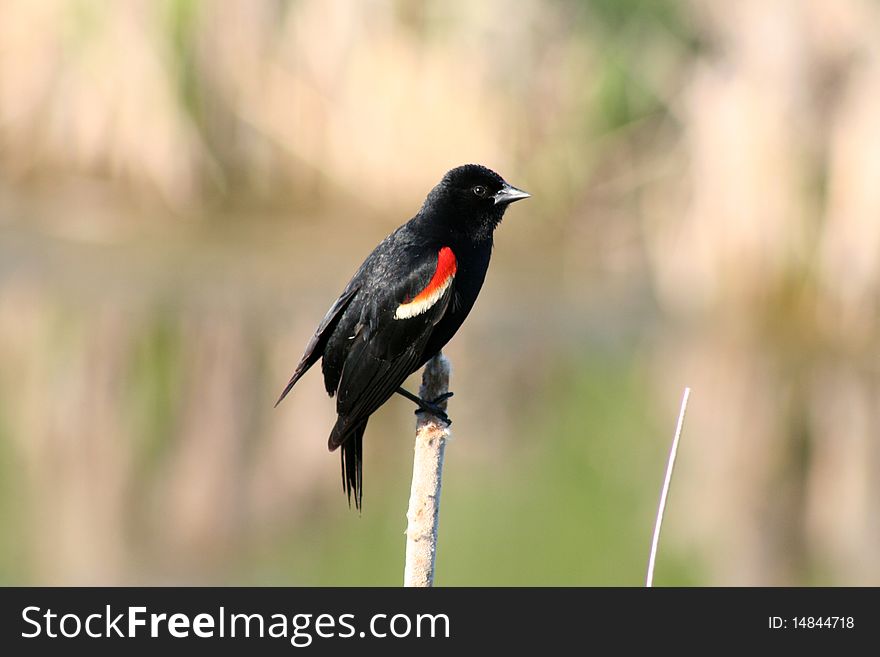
(479, 190)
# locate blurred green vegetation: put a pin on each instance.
(567, 504)
(184, 186)
(12, 545)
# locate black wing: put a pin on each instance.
(316, 345)
(385, 350)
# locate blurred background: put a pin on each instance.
(186, 186)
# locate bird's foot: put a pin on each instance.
(442, 398)
(432, 407)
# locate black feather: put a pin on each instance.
(315, 347)
(368, 352)
(352, 461)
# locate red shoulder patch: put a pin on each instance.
(440, 281)
(446, 267)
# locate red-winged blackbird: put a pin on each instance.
(406, 301)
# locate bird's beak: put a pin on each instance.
(509, 194)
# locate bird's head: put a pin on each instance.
(471, 199)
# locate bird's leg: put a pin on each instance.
(425, 406)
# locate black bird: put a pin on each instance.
(406, 301)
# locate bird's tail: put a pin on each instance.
(352, 459)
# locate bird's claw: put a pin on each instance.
(436, 411)
(433, 407)
(442, 398)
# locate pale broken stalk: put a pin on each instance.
(423, 516)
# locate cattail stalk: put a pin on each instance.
(423, 516)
